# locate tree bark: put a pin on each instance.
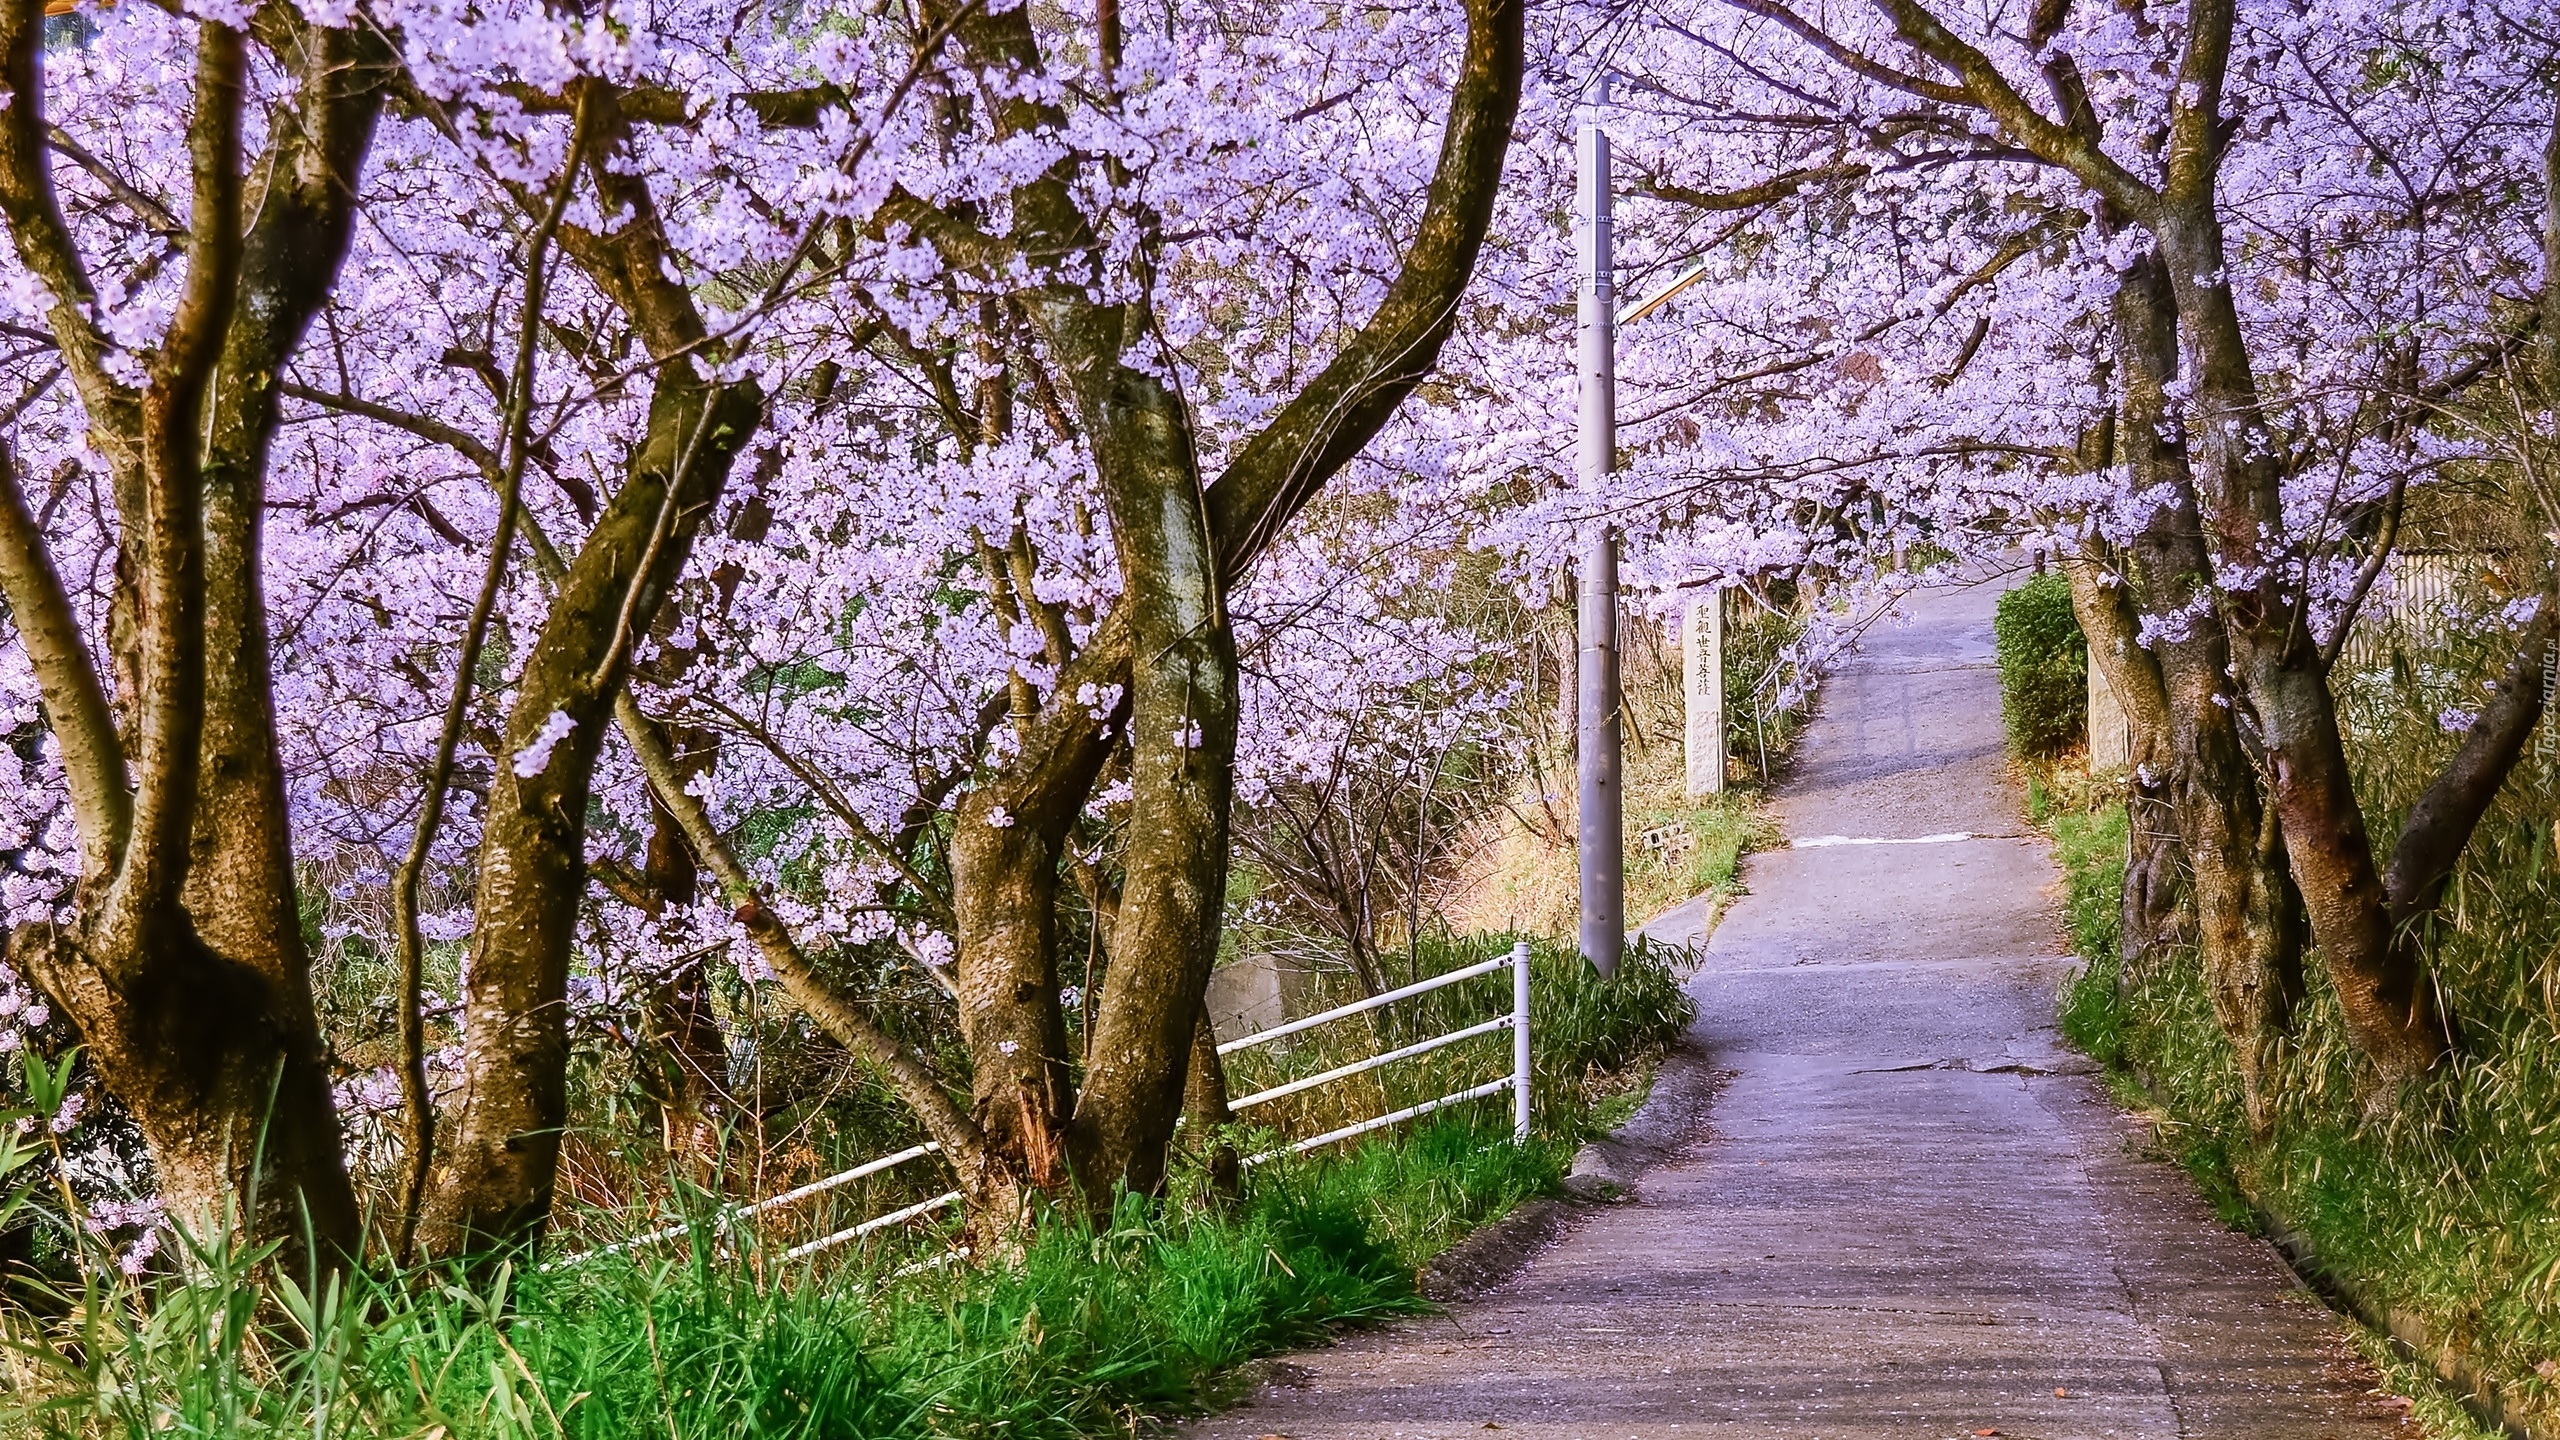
(2248, 947)
(1004, 893)
(1181, 550)
(2237, 475)
(1204, 1104)
(2389, 1007)
(2151, 909)
(495, 1172)
(185, 971)
(1185, 703)
(995, 1197)
(683, 1053)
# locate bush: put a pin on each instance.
(2044, 667)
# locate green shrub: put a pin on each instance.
(2044, 667)
(1588, 1036)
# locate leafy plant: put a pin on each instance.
(2044, 666)
(2446, 1213)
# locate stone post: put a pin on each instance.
(1702, 692)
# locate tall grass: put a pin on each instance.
(1088, 1329)
(1592, 1040)
(2451, 1209)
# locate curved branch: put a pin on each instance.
(1279, 470)
(843, 1016)
(75, 701)
(1986, 89)
(43, 237)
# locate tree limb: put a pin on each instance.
(417, 1101)
(1275, 474)
(75, 702)
(843, 1016)
(1985, 88)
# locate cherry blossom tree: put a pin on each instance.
(2179, 290)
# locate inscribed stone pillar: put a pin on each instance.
(1702, 691)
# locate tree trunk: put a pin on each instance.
(1204, 1103)
(2249, 951)
(185, 971)
(683, 1054)
(1184, 707)
(2383, 992)
(1165, 646)
(494, 1173)
(2153, 903)
(1004, 890)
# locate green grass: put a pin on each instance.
(2432, 1403)
(1592, 1040)
(1087, 1333)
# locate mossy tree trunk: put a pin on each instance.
(184, 967)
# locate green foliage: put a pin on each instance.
(1718, 830)
(2044, 666)
(1588, 1035)
(1759, 732)
(1085, 1332)
(2090, 847)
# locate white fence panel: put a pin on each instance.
(1517, 1082)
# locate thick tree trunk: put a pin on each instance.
(2248, 948)
(2383, 992)
(240, 882)
(1165, 649)
(496, 1166)
(495, 1170)
(1004, 895)
(2152, 905)
(1184, 707)
(185, 971)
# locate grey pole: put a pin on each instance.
(1603, 848)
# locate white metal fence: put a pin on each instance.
(1517, 1082)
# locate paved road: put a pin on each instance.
(1909, 1213)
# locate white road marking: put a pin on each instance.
(1822, 842)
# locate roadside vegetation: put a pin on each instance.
(2443, 1210)
(1089, 1329)
(1518, 870)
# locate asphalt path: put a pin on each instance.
(1909, 1211)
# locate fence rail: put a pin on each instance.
(1517, 1083)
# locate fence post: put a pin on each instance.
(1520, 1042)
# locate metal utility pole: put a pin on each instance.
(1603, 848)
